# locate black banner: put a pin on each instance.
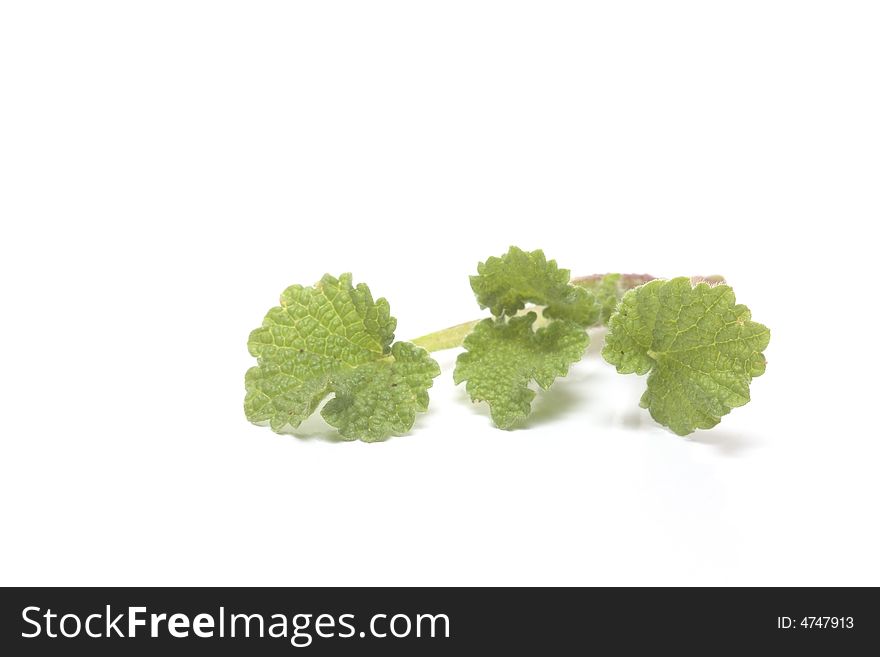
(407, 621)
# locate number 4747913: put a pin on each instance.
(815, 622)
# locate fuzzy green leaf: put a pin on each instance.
(502, 357)
(506, 284)
(379, 399)
(699, 348)
(608, 293)
(334, 338)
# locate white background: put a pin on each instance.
(167, 168)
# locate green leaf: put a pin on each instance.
(502, 357)
(505, 354)
(333, 338)
(608, 293)
(699, 348)
(380, 398)
(506, 284)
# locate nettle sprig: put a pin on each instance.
(699, 348)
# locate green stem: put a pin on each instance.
(454, 336)
(624, 283)
(447, 338)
